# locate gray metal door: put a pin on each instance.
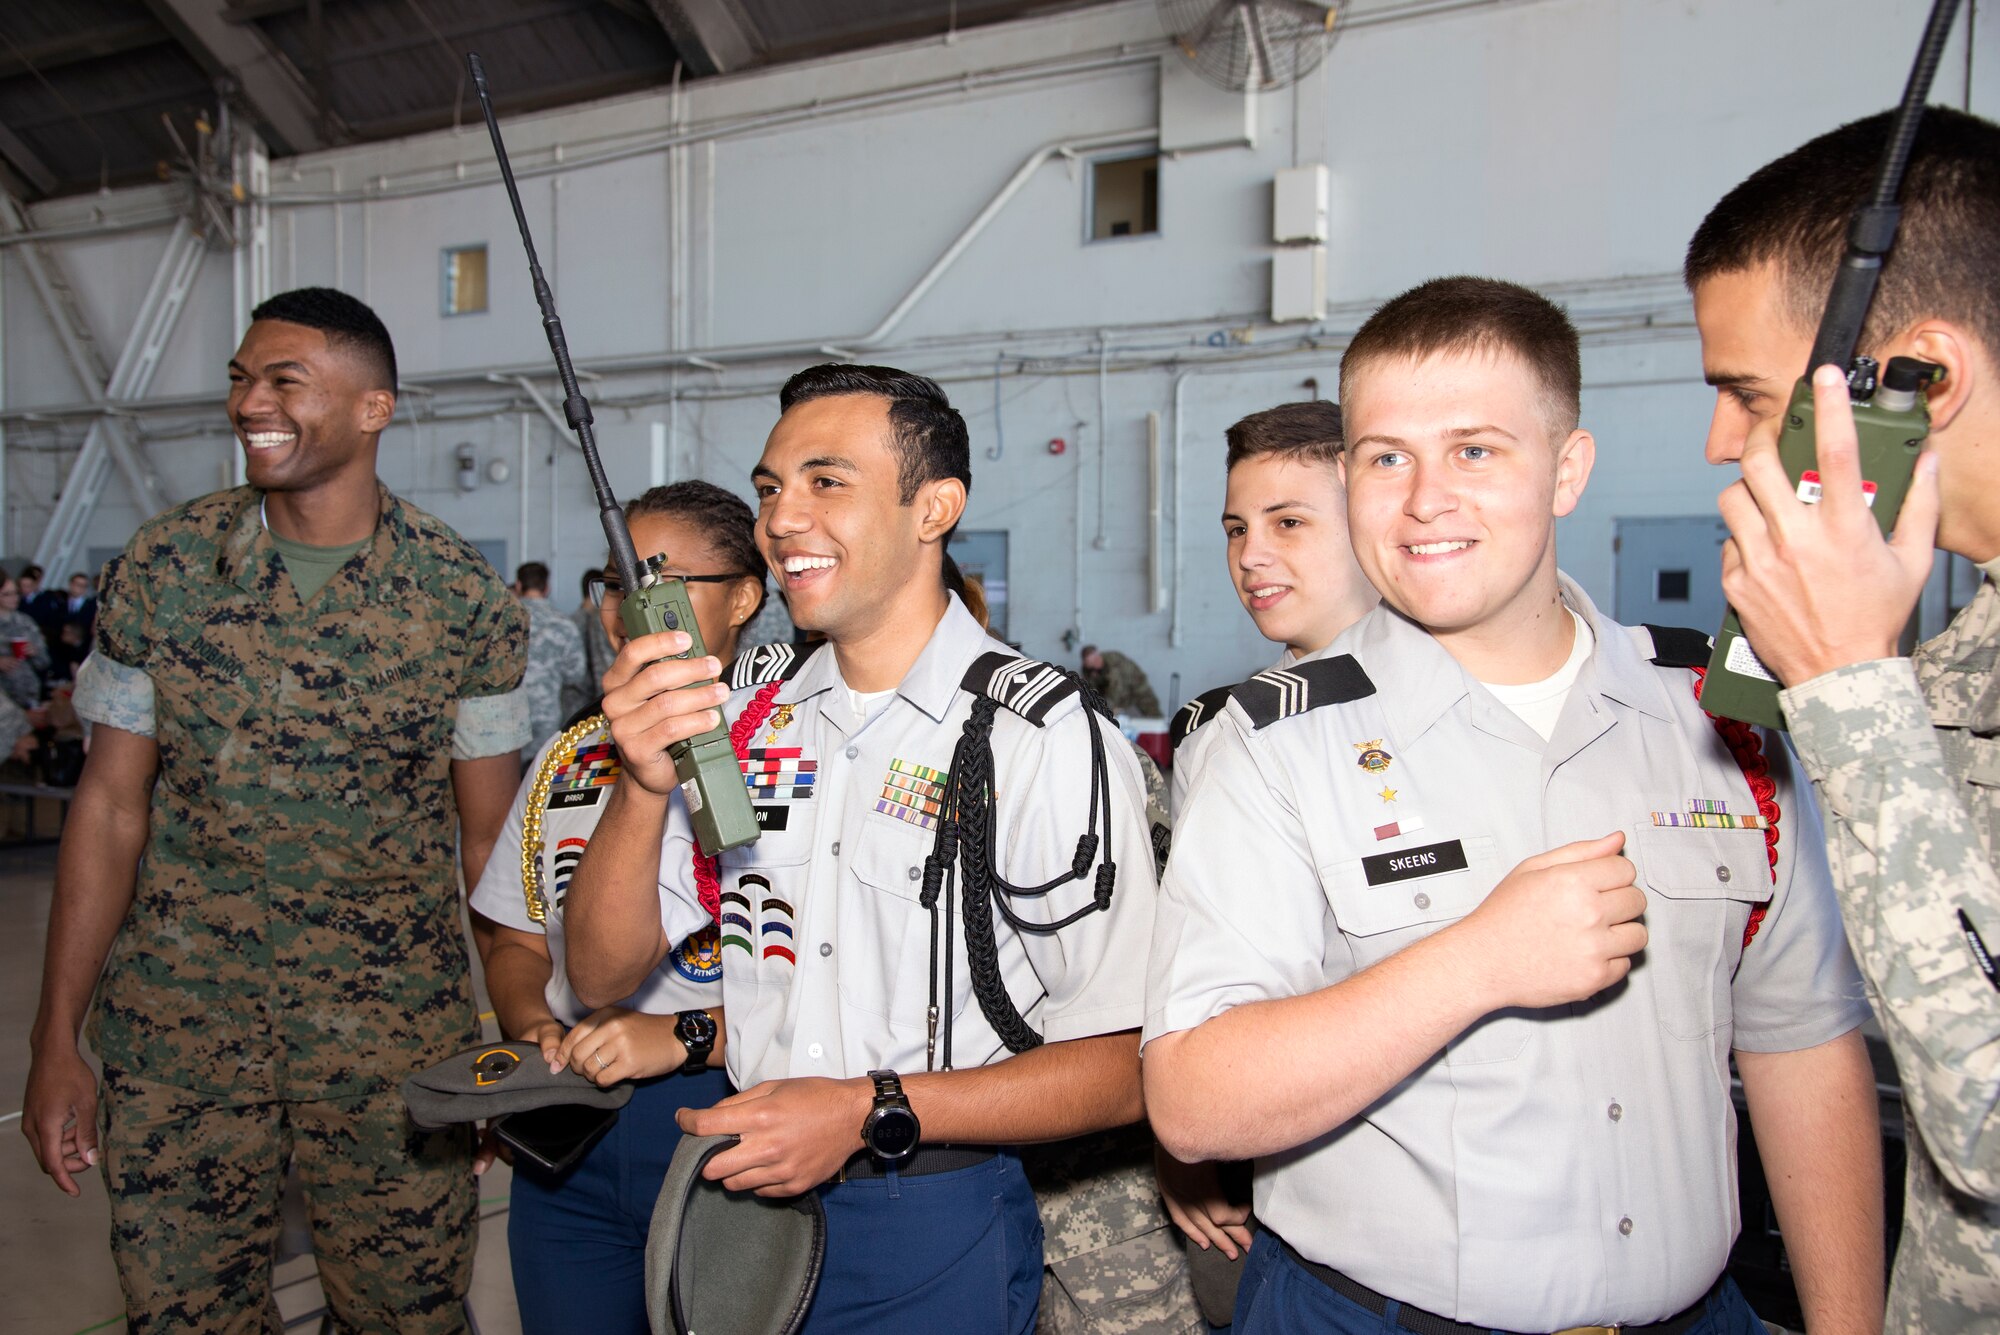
(1668, 571)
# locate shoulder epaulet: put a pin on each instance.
(1679, 647)
(1027, 686)
(765, 663)
(1280, 693)
(1197, 712)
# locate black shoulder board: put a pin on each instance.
(1279, 693)
(1197, 712)
(1679, 647)
(766, 663)
(1028, 686)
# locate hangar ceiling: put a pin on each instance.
(100, 93)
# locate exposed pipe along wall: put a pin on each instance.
(716, 236)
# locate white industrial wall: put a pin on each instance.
(1569, 144)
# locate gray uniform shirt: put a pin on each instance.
(826, 961)
(1551, 1167)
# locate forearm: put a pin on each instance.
(1052, 1092)
(1907, 861)
(1819, 1137)
(96, 870)
(1269, 1075)
(612, 914)
(517, 979)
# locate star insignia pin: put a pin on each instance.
(1388, 794)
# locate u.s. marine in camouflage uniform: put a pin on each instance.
(285, 735)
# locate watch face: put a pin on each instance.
(892, 1132)
(696, 1027)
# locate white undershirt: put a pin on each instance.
(864, 702)
(1540, 703)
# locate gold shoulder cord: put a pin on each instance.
(558, 755)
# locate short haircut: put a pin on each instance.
(930, 438)
(1465, 314)
(725, 519)
(1305, 432)
(347, 323)
(31, 571)
(533, 577)
(1793, 213)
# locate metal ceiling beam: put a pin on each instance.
(275, 93)
(27, 162)
(712, 36)
(89, 44)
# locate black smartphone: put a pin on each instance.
(554, 1138)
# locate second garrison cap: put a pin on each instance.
(721, 1262)
(497, 1078)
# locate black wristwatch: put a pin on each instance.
(696, 1031)
(891, 1130)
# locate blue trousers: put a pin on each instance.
(1278, 1297)
(578, 1242)
(958, 1252)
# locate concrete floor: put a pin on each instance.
(55, 1262)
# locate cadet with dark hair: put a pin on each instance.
(592, 1221)
(304, 689)
(910, 773)
(1901, 750)
(1466, 916)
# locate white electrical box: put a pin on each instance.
(1298, 204)
(1298, 284)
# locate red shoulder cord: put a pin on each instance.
(1748, 749)
(707, 883)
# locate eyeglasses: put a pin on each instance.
(606, 590)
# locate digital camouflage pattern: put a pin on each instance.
(556, 670)
(1113, 1260)
(21, 678)
(294, 933)
(393, 1208)
(1907, 764)
(1114, 1263)
(1123, 685)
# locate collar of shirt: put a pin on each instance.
(931, 684)
(248, 550)
(1423, 681)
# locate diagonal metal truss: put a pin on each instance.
(110, 444)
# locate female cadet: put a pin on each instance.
(591, 1221)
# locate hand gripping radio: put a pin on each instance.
(1891, 416)
(711, 782)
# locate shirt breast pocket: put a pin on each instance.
(1700, 885)
(885, 931)
(762, 883)
(1382, 915)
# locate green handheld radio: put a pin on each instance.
(1891, 418)
(711, 781)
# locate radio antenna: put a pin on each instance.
(1873, 229)
(575, 407)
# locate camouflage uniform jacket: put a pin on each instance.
(1907, 764)
(294, 931)
(1124, 687)
(555, 669)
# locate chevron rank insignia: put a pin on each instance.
(1197, 712)
(764, 664)
(1026, 686)
(1279, 693)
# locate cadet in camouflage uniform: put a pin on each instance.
(296, 683)
(556, 668)
(1905, 754)
(1120, 681)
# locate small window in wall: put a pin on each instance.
(465, 280)
(1124, 197)
(1670, 586)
